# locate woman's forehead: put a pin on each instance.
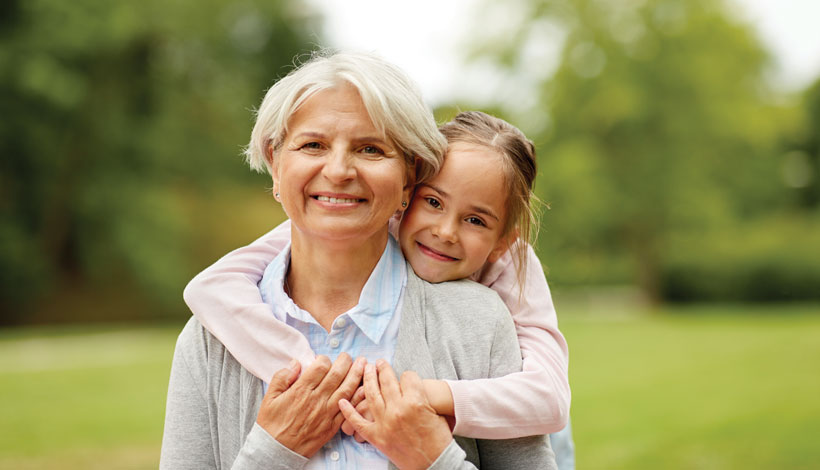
(340, 110)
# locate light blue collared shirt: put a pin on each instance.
(369, 329)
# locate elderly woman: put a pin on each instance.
(345, 138)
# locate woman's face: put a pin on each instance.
(455, 222)
(338, 178)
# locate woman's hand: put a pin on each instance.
(405, 427)
(303, 414)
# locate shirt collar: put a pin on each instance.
(377, 302)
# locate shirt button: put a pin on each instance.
(334, 456)
(341, 323)
(334, 342)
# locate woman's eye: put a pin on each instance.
(475, 221)
(372, 149)
(312, 146)
(433, 202)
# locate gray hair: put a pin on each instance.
(392, 100)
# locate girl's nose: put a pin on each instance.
(446, 229)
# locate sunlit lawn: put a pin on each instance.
(705, 388)
(86, 398)
(711, 388)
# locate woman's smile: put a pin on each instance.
(337, 202)
(338, 177)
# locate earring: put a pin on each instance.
(404, 203)
(276, 195)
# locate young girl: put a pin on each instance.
(472, 220)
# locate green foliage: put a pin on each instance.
(774, 259)
(660, 125)
(801, 162)
(120, 111)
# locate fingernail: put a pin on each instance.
(370, 368)
(293, 364)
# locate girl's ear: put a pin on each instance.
(504, 243)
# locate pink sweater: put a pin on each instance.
(226, 300)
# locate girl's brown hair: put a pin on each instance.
(517, 154)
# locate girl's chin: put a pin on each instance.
(432, 274)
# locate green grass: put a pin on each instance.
(83, 399)
(710, 387)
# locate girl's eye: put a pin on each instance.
(475, 221)
(433, 202)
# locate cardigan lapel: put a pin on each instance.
(412, 351)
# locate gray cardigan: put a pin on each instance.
(453, 330)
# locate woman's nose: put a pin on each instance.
(339, 167)
(446, 229)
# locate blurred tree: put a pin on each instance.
(801, 163)
(656, 123)
(116, 112)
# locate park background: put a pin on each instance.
(679, 162)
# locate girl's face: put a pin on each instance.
(455, 221)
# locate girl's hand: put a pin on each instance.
(438, 395)
(303, 414)
(360, 403)
(405, 427)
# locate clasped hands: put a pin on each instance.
(304, 411)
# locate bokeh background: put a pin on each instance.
(679, 160)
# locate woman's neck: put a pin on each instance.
(326, 279)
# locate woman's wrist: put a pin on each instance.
(439, 396)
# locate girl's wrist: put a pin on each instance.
(439, 396)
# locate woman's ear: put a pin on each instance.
(504, 243)
(273, 163)
(270, 154)
(275, 190)
(409, 187)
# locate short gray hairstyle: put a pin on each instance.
(391, 98)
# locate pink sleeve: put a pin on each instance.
(226, 300)
(536, 400)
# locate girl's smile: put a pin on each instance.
(435, 254)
